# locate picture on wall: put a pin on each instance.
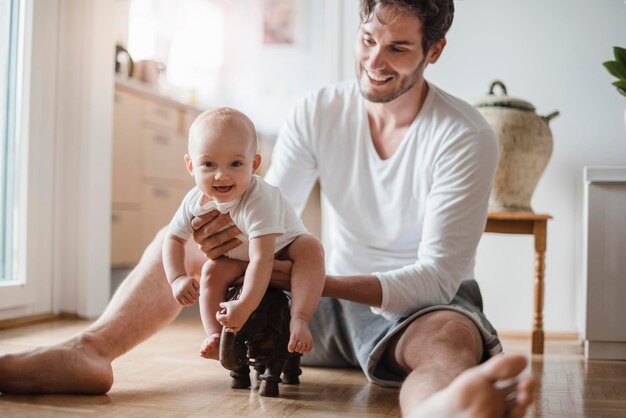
(279, 25)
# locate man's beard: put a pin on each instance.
(406, 84)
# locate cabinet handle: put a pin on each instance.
(160, 192)
(115, 217)
(161, 139)
(162, 112)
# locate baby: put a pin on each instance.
(222, 159)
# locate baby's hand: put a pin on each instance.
(234, 315)
(186, 290)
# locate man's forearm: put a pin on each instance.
(364, 289)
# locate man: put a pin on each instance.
(406, 170)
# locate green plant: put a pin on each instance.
(618, 69)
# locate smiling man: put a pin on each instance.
(406, 171)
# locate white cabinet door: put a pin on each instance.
(605, 263)
(127, 151)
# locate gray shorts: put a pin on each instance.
(347, 334)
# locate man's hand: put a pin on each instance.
(186, 290)
(212, 240)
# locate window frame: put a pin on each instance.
(29, 292)
(8, 177)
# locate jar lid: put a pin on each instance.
(503, 100)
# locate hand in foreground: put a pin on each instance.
(186, 290)
(212, 240)
(233, 316)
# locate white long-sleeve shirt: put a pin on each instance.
(414, 219)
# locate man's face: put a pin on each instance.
(389, 57)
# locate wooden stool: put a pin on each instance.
(529, 224)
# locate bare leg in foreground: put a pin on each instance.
(439, 352)
(142, 305)
(483, 391)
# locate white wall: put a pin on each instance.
(83, 147)
(550, 53)
(265, 81)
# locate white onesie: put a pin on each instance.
(261, 210)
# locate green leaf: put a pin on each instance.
(622, 91)
(620, 54)
(617, 69)
(620, 84)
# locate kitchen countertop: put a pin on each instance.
(150, 91)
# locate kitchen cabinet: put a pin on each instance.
(149, 174)
(604, 269)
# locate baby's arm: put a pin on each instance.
(255, 283)
(184, 288)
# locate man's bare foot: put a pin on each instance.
(493, 389)
(211, 347)
(300, 339)
(74, 366)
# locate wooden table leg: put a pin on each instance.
(539, 231)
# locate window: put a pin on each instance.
(187, 37)
(8, 72)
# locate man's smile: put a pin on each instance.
(377, 79)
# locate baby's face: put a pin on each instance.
(222, 158)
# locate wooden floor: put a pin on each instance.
(165, 377)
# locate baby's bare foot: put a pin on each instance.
(211, 347)
(300, 340)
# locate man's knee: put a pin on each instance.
(437, 334)
(459, 334)
(157, 242)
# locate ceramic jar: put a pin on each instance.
(525, 148)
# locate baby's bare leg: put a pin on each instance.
(142, 305)
(307, 282)
(217, 276)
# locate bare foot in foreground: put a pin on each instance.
(493, 389)
(74, 366)
(300, 339)
(211, 347)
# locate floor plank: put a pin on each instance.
(165, 377)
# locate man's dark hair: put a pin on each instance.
(436, 15)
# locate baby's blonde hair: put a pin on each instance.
(223, 115)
